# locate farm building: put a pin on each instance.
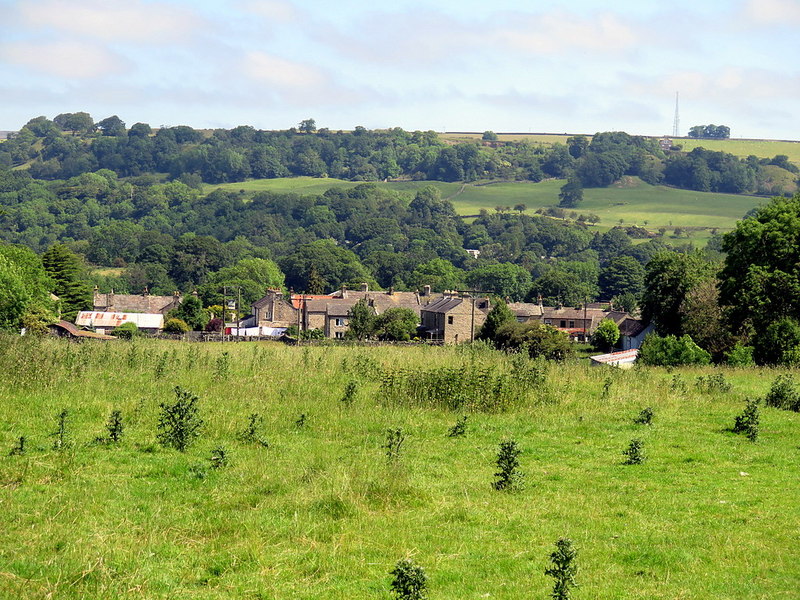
(102, 322)
(135, 303)
(623, 359)
(68, 330)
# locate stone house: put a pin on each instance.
(526, 311)
(330, 312)
(579, 322)
(273, 310)
(453, 320)
(632, 332)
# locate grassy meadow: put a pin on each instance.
(323, 513)
(632, 200)
(738, 147)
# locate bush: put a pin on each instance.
(214, 325)
(606, 335)
(739, 356)
(127, 331)
(634, 453)
(409, 581)
(779, 344)
(563, 569)
(671, 351)
(115, 427)
(176, 325)
(747, 421)
(179, 423)
(394, 443)
(509, 477)
(460, 428)
(536, 338)
(713, 383)
(783, 394)
(645, 417)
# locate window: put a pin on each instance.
(548, 322)
(450, 319)
(340, 322)
(339, 334)
(563, 324)
(572, 324)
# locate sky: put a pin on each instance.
(448, 65)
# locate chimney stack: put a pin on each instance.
(426, 290)
(364, 287)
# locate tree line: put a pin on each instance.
(73, 144)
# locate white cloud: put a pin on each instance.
(113, 20)
(67, 59)
(773, 12)
(428, 37)
(280, 72)
(274, 11)
(560, 32)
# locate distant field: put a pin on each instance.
(542, 138)
(742, 148)
(633, 201)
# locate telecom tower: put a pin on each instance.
(677, 122)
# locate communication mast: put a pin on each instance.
(676, 124)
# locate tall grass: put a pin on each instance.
(319, 511)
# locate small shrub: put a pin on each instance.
(606, 388)
(713, 383)
(62, 433)
(19, 449)
(740, 356)
(678, 384)
(161, 366)
(179, 423)
(634, 453)
(250, 434)
(219, 458)
(115, 427)
(747, 421)
(222, 367)
(508, 477)
(127, 331)
(198, 471)
(645, 417)
(460, 428)
(563, 569)
(783, 394)
(301, 421)
(175, 325)
(409, 581)
(350, 391)
(394, 443)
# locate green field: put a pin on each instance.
(738, 147)
(632, 200)
(322, 512)
(745, 148)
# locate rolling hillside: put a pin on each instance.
(632, 200)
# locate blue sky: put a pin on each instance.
(579, 66)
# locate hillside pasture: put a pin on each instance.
(631, 200)
(738, 147)
(321, 512)
(745, 148)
